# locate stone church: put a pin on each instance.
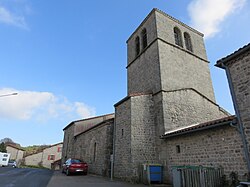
(169, 116)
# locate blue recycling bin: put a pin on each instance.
(152, 173)
(155, 173)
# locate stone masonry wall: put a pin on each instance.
(143, 135)
(181, 108)
(150, 24)
(165, 26)
(217, 147)
(122, 159)
(240, 75)
(187, 107)
(135, 137)
(180, 70)
(179, 67)
(68, 143)
(143, 73)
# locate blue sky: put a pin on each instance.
(67, 59)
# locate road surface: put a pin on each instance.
(24, 177)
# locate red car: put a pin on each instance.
(74, 166)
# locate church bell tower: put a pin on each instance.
(169, 86)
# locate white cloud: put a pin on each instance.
(83, 110)
(9, 18)
(40, 106)
(207, 15)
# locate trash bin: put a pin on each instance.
(152, 173)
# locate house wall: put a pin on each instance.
(217, 147)
(15, 154)
(41, 158)
(239, 70)
(34, 160)
(54, 150)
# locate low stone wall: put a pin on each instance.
(217, 147)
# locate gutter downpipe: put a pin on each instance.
(113, 154)
(241, 129)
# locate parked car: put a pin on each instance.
(75, 166)
(12, 163)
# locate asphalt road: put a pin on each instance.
(24, 177)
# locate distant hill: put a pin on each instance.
(28, 150)
(6, 140)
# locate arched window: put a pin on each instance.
(177, 37)
(144, 38)
(137, 45)
(188, 43)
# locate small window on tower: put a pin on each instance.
(144, 38)
(188, 43)
(137, 45)
(178, 149)
(177, 37)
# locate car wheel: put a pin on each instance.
(67, 172)
(85, 173)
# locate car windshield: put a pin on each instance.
(76, 161)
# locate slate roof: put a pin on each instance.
(96, 125)
(71, 123)
(199, 127)
(232, 56)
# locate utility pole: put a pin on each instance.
(5, 95)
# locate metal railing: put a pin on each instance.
(191, 176)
